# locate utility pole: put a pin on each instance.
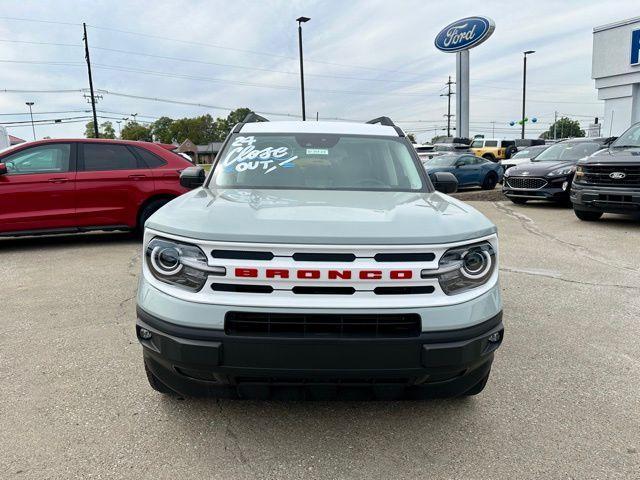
(524, 86)
(555, 125)
(30, 104)
(493, 129)
(448, 94)
(300, 21)
(93, 98)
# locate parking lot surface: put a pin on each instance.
(562, 402)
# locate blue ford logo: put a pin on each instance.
(464, 34)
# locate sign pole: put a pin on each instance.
(462, 100)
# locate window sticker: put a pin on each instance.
(317, 151)
(245, 156)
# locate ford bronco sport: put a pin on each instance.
(318, 260)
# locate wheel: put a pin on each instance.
(489, 157)
(149, 210)
(587, 216)
(156, 384)
(518, 201)
(478, 387)
(490, 181)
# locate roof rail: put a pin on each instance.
(387, 122)
(251, 117)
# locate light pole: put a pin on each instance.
(118, 122)
(300, 21)
(524, 86)
(30, 104)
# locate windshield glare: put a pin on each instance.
(317, 161)
(569, 152)
(630, 138)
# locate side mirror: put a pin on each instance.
(3, 169)
(444, 182)
(192, 177)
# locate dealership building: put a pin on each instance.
(616, 71)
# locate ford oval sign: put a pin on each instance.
(464, 34)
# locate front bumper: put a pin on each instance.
(605, 199)
(197, 361)
(555, 190)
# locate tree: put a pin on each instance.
(134, 131)
(564, 128)
(161, 130)
(105, 130)
(199, 130)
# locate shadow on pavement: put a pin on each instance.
(66, 240)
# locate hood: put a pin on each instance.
(614, 156)
(320, 217)
(536, 169)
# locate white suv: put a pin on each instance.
(319, 258)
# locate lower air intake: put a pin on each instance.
(289, 325)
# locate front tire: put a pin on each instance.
(149, 210)
(488, 156)
(156, 384)
(478, 387)
(490, 181)
(587, 216)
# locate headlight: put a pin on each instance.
(179, 264)
(562, 171)
(463, 268)
(579, 172)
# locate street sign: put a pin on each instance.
(464, 34)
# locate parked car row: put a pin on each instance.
(594, 175)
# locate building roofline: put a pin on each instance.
(620, 23)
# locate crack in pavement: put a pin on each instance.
(557, 276)
(530, 226)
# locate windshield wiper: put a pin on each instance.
(625, 146)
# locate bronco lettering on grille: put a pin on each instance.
(312, 274)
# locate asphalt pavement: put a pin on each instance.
(563, 400)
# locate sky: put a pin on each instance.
(363, 59)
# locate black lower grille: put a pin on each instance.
(290, 325)
(526, 182)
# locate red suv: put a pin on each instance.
(56, 186)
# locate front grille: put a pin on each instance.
(289, 325)
(527, 183)
(600, 175)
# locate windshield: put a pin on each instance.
(442, 161)
(477, 144)
(570, 152)
(317, 161)
(629, 139)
